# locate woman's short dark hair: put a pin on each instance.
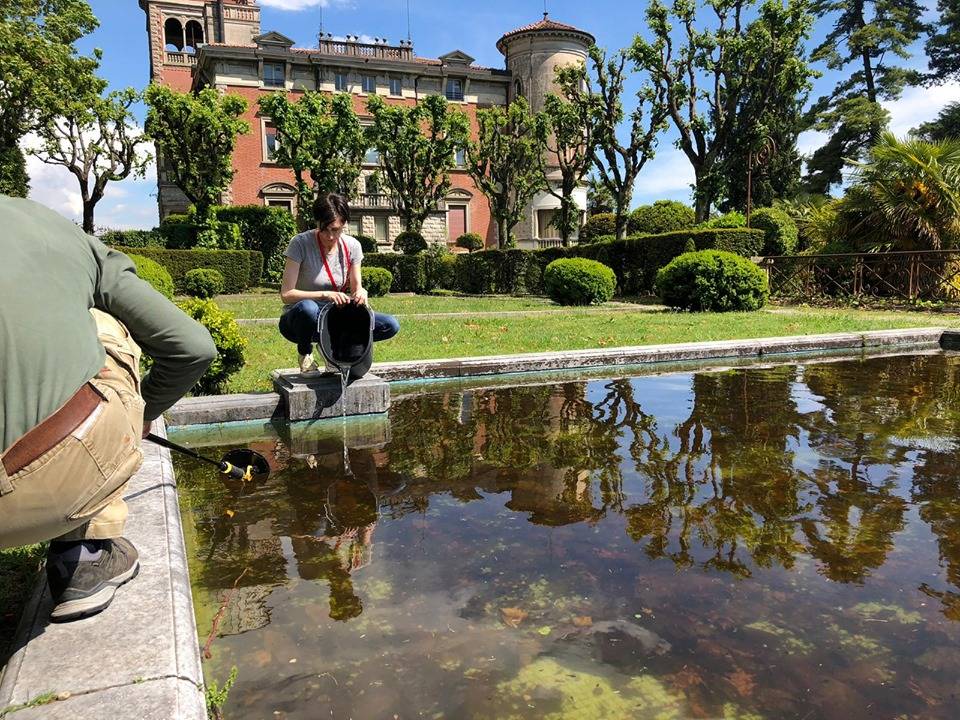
(329, 207)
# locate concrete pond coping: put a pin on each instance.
(140, 658)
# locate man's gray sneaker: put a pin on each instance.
(84, 576)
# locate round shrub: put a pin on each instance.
(470, 241)
(578, 281)
(155, 274)
(597, 225)
(732, 219)
(367, 243)
(376, 280)
(663, 216)
(409, 242)
(781, 231)
(203, 282)
(712, 280)
(230, 342)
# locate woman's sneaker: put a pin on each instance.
(84, 576)
(308, 365)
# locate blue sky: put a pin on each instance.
(437, 26)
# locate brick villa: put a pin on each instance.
(218, 43)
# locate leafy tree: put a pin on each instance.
(417, 147)
(946, 125)
(97, 143)
(505, 162)
(719, 82)
(599, 199)
(39, 67)
(195, 137)
(601, 113)
(943, 44)
(321, 137)
(568, 148)
(864, 36)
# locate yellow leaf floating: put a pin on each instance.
(545, 630)
(229, 513)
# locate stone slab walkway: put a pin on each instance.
(140, 658)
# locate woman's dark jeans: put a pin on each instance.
(299, 325)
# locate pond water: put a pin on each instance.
(779, 542)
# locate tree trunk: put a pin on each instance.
(621, 222)
(88, 206)
(503, 233)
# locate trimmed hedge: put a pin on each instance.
(712, 280)
(505, 272)
(133, 238)
(154, 273)
(663, 216)
(376, 280)
(578, 281)
(203, 282)
(780, 231)
(265, 229)
(597, 225)
(240, 268)
(409, 271)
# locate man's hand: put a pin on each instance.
(338, 298)
(360, 296)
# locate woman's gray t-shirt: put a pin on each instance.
(304, 249)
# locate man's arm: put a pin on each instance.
(181, 348)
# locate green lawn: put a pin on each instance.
(269, 306)
(577, 328)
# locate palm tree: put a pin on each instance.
(906, 195)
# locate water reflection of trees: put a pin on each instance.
(765, 465)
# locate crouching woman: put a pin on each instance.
(323, 266)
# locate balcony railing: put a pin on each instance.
(365, 50)
(904, 275)
(180, 58)
(374, 200)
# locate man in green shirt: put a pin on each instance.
(73, 317)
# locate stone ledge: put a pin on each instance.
(323, 396)
(139, 659)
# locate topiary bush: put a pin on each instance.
(367, 243)
(203, 282)
(409, 243)
(470, 241)
(577, 281)
(732, 219)
(230, 342)
(409, 271)
(712, 280)
(597, 225)
(154, 273)
(132, 238)
(663, 216)
(376, 280)
(780, 231)
(240, 268)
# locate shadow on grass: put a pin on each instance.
(18, 571)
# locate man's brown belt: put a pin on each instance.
(51, 431)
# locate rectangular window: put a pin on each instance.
(369, 84)
(270, 141)
(340, 82)
(353, 226)
(372, 157)
(460, 158)
(285, 204)
(380, 229)
(454, 89)
(273, 74)
(396, 86)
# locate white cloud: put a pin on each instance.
(127, 204)
(294, 5)
(918, 105)
(667, 177)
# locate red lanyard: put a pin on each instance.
(346, 272)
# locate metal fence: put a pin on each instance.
(903, 275)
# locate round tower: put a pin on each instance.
(533, 53)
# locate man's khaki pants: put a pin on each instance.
(74, 491)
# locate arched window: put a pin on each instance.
(517, 89)
(194, 40)
(172, 35)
